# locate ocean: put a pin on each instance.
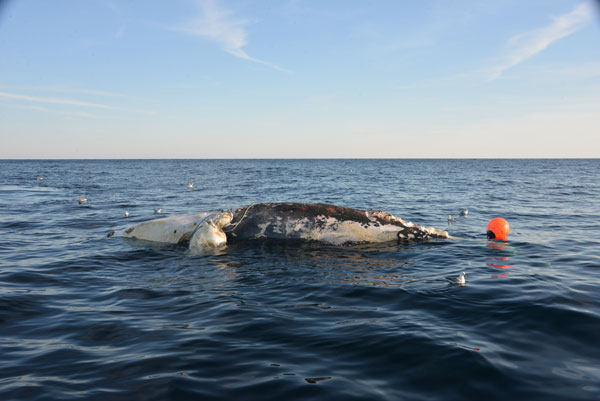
(86, 317)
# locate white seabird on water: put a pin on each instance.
(460, 280)
(451, 219)
(82, 200)
(159, 210)
(126, 213)
(191, 185)
(464, 212)
(40, 178)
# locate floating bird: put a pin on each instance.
(126, 213)
(82, 200)
(159, 210)
(464, 212)
(40, 178)
(460, 280)
(190, 184)
(451, 219)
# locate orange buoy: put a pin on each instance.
(498, 228)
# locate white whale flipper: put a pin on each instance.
(209, 234)
(171, 230)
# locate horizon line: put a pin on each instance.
(312, 158)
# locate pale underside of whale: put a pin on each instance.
(301, 221)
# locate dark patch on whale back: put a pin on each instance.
(248, 221)
(270, 221)
(302, 210)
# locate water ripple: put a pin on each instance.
(83, 316)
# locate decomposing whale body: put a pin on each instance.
(301, 221)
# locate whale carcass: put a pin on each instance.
(302, 221)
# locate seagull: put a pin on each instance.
(40, 178)
(464, 212)
(159, 210)
(190, 184)
(126, 213)
(451, 219)
(82, 200)
(460, 280)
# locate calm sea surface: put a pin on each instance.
(83, 316)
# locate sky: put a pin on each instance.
(299, 79)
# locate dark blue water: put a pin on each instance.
(83, 316)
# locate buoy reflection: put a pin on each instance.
(499, 262)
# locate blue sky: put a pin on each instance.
(252, 79)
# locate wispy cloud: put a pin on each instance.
(219, 25)
(119, 16)
(70, 102)
(566, 69)
(528, 44)
(63, 90)
(67, 114)
(54, 100)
